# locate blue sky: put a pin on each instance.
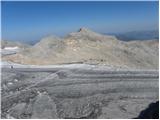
(26, 21)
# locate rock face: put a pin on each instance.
(152, 112)
(77, 93)
(44, 107)
(90, 47)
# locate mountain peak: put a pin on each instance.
(84, 33)
(83, 29)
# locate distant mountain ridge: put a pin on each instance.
(137, 35)
(6, 43)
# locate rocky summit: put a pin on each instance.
(87, 46)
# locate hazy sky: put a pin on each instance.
(33, 20)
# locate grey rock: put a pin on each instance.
(17, 110)
(44, 107)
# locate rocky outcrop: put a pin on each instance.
(151, 112)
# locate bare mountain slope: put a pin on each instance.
(89, 47)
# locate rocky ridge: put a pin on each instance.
(86, 46)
